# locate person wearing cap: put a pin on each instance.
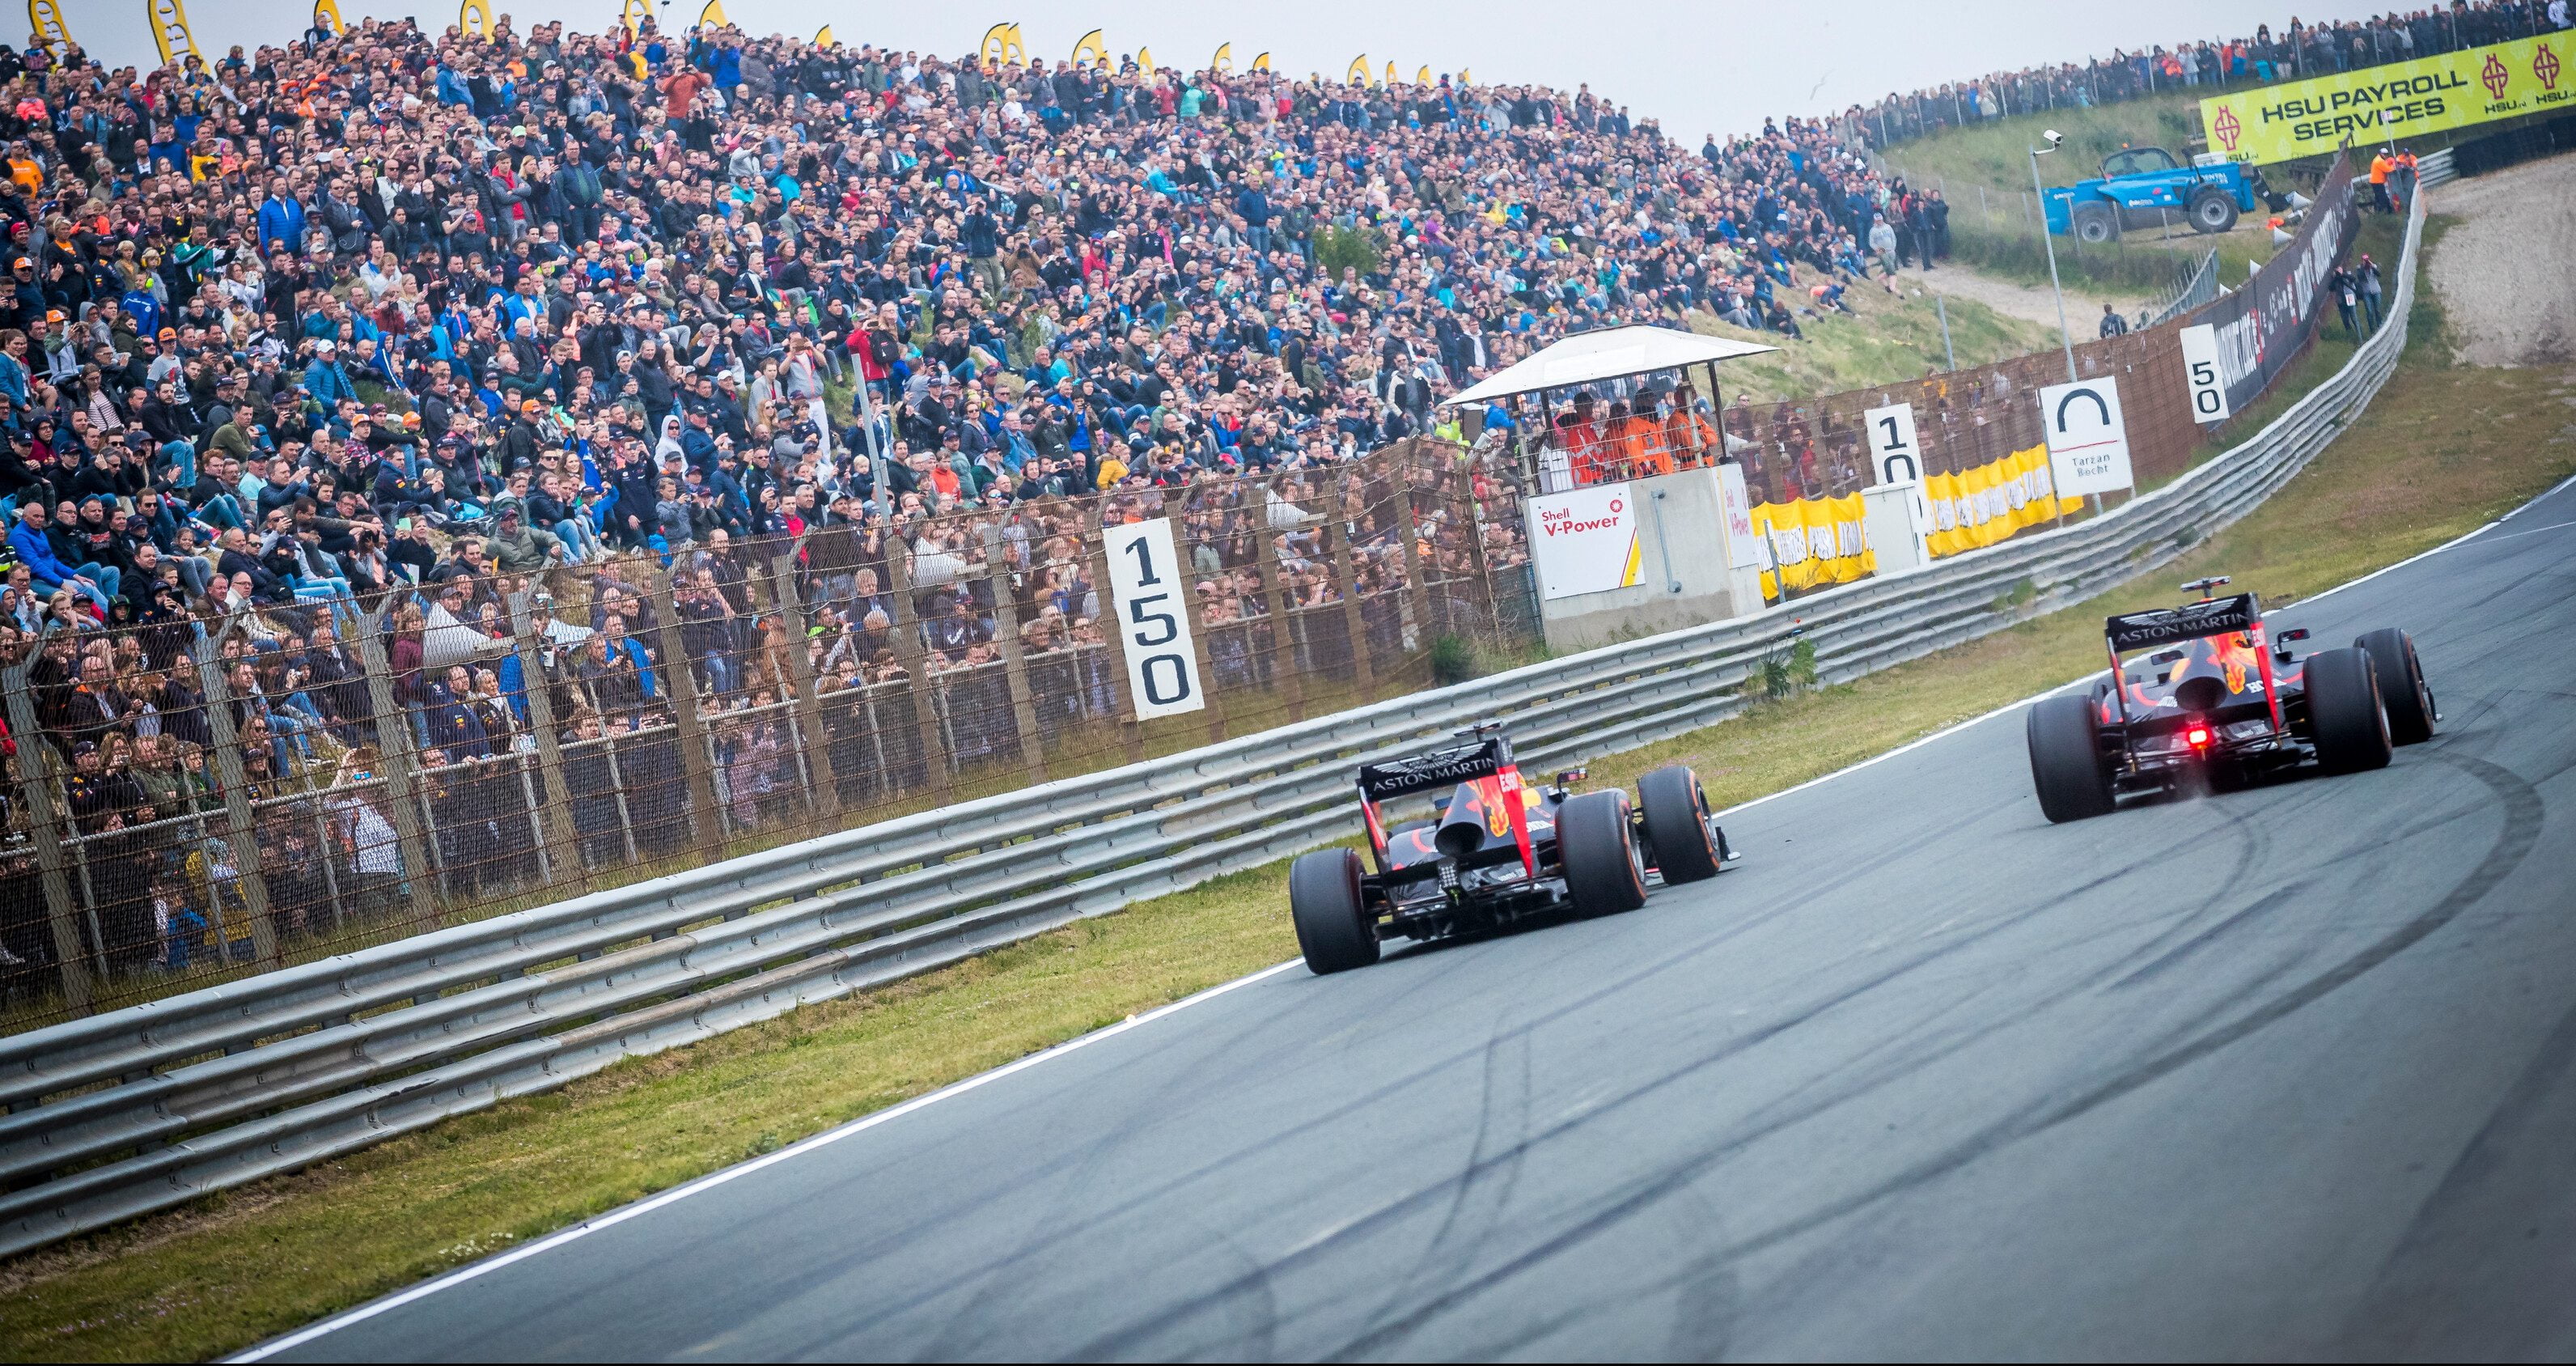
(326, 379)
(519, 548)
(26, 297)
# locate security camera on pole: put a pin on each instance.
(2053, 137)
(2065, 337)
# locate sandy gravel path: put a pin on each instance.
(2506, 273)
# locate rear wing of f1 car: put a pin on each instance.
(2166, 625)
(2192, 621)
(1439, 768)
(1490, 756)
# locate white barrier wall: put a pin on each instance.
(1627, 560)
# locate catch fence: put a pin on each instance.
(228, 793)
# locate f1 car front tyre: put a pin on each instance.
(1334, 929)
(1604, 870)
(1676, 814)
(2402, 690)
(2344, 711)
(2066, 759)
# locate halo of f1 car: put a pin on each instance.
(1497, 850)
(2217, 699)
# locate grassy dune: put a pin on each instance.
(1887, 339)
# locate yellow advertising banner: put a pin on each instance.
(2403, 100)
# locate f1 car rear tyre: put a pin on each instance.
(2213, 210)
(2066, 759)
(1334, 929)
(2402, 690)
(2096, 224)
(1604, 870)
(1676, 813)
(2344, 711)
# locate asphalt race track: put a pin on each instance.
(2288, 1072)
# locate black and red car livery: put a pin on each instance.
(2213, 695)
(1495, 848)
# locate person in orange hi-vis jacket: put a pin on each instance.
(1636, 442)
(1690, 439)
(1578, 434)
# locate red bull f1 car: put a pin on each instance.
(2213, 698)
(1495, 850)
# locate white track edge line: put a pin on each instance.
(715, 1179)
(831, 1136)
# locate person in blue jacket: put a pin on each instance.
(99, 583)
(281, 220)
(326, 379)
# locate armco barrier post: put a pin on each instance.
(680, 686)
(1346, 582)
(45, 825)
(401, 772)
(563, 841)
(908, 649)
(241, 829)
(825, 799)
(1015, 667)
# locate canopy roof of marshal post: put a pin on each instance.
(1610, 353)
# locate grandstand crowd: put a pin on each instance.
(2294, 52)
(385, 321)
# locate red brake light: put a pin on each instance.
(2197, 736)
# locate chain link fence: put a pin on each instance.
(213, 795)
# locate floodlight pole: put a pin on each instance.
(2064, 335)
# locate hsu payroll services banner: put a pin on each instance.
(2313, 117)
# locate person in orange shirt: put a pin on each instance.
(942, 479)
(2380, 166)
(1579, 436)
(1689, 439)
(680, 91)
(1638, 440)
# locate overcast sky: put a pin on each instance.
(1699, 65)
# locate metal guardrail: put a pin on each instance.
(137, 1110)
(2436, 169)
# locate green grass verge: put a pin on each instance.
(2439, 452)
